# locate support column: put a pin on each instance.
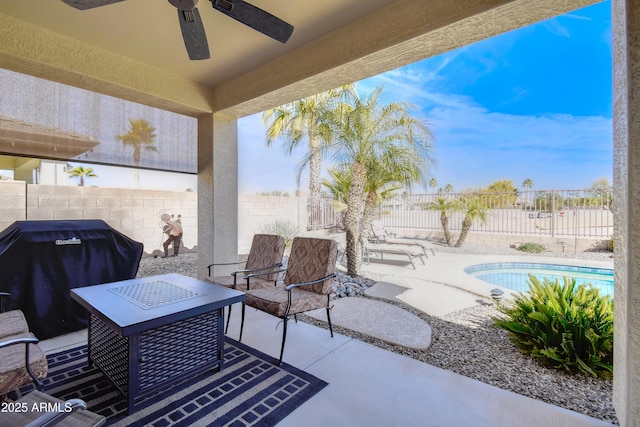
(217, 192)
(626, 203)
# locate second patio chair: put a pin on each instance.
(265, 255)
(307, 284)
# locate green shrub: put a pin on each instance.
(283, 228)
(567, 327)
(531, 247)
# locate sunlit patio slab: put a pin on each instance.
(371, 386)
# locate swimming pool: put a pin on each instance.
(514, 275)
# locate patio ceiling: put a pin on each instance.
(133, 49)
(148, 31)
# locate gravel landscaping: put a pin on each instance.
(465, 342)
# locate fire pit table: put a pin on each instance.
(151, 333)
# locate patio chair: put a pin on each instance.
(70, 413)
(307, 284)
(21, 360)
(380, 235)
(265, 255)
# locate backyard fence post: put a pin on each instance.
(553, 213)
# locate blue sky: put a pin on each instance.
(533, 103)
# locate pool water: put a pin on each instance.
(515, 275)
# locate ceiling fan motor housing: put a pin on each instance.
(184, 4)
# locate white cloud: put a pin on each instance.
(476, 147)
(576, 16)
(554, 27)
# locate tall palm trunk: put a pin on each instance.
(315, 169)
(466, 226)
(353, 218)
(370, 205)
(136, 155)
(444, 220)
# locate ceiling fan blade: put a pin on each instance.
(89, 4)
(195, 38)
(255, 18)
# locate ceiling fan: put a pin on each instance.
(195, 38)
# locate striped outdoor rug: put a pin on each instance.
(249, 391)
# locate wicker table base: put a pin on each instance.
(148, 335)
(142, 364)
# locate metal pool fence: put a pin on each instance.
(554, 213)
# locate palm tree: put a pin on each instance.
(528, 185)
(305, 120)
(448, 188)
(433, 183)
(339, 190)
(369, 136)
(398, 168)
(475, 210)
(338, 186)
(445, 206)
(379, 187)
(81, 172)
(141, 134)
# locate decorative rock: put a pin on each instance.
(347, 286)
(497, 294)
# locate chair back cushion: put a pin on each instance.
(266, 250)
(312, 259)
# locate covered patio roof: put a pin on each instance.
(132, 50)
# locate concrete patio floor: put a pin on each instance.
(369, 386)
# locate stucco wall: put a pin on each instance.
(255, 212)
(136, 212)
(132, 212)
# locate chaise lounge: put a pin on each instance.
(392, 249)
(379, 235)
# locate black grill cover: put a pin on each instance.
(40, 261)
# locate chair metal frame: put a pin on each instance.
(287, 312)
(24, 340)
(235, 278)
(285, 317)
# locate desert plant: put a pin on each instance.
(566, 327)
(282, 228)
(531, 247)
